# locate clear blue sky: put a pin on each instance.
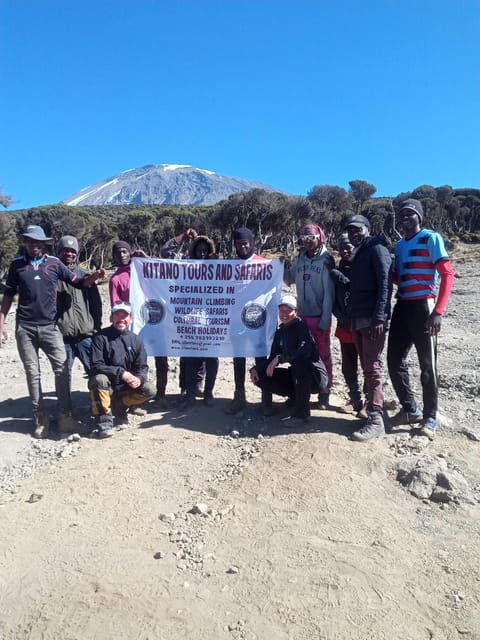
(291, 93)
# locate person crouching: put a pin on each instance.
(118, 372)
(293, 344)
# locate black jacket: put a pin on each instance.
(341, 279)
(371, 281)
(113, 353)
(293, 343)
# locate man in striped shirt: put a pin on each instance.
(420, 261)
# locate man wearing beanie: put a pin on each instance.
(420, 259)
(244, 243)
(310, 273)
(79, 311)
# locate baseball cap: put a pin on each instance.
(414, 205)
(289, 301)
(356, 221)
(35, 232)
(122, 306)
(67, 242)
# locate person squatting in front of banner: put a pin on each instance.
(201, 248)
(292, 344)
(118, 372)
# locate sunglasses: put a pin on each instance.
(311, 237)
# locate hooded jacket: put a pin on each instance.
(315, 288)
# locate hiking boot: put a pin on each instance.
(427, 428)
(406, 417)
(323, 401)
(208, 400)
(163, 403)
(187, 402)
(41, 426)
(237, 404)
(137, 411)
(68, 424)
(105, 432)
(374, 428)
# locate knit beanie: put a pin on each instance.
(121, 244)
(414, 205)
(244, 234)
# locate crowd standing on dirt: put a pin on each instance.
(59, 312)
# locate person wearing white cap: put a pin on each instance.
(34, 276)
(118, 372)
(292, 344)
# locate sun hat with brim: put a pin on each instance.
(35, 232)
(122, 306)
(289, 301)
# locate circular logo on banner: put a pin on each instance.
(152, 312)
(254, 315)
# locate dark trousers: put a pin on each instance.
(294, 382)
(161, 372)
(350, 372)
(407, 329)
(370, 352)
(240, 369)
(195, 368)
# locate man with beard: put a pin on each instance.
(369, 312)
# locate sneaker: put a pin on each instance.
(374, 428)
(427, 428)
(406, 417)
(137, 411)
(186, 403)
(199, 393)
(237, 404)
(41, 425)
(208, 400)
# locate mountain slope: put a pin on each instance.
(163, 184)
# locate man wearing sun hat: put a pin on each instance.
(118, 371)
(34, 276)
(420, 260)
(292, 344)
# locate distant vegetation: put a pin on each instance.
(275, 218)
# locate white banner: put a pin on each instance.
(205, 308)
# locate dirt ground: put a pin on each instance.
(298, 535)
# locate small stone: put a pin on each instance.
(158, 555)
(234, 433)
(74, 437)
(233, 569)
(167, 517)
(199, 509)
(35, 497)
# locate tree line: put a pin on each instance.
(275, 218)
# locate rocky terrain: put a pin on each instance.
(201, 525)
(163, 184)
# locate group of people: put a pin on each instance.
(59, 312)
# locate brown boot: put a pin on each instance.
(41, 426)
(67, 424)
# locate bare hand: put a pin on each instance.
(271, 367)
(375, 332)
(254, 377)
(190, 234)
(139, 253)
(132, 381)
(434, 323)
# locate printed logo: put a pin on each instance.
(152, 312)
(254, 315)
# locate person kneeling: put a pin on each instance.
(292, 344)
(118, 372)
